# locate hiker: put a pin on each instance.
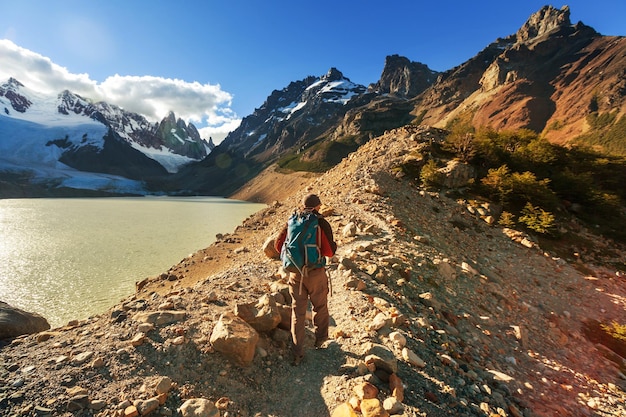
(308, 281)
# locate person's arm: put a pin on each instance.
(278, 243)
(328, 246)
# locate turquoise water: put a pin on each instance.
(69, 259)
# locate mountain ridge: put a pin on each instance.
(551, 76)
(120, 147)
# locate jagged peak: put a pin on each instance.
(546, 20)
(13, 82)
(402, 77)
(171, 117)
(71, 95)
(333, 74)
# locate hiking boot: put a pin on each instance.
(296, 359)
(319, 343)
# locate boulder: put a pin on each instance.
(373, 408)
(263, 316)
(235, 338)
(381, 357)
(457, 174)
(16, 322)
(269, 250)
(159, 318)
(198, 407)
(344, 410)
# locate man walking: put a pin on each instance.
(308, 281)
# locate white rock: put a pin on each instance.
(199, 407)
(409, 356)
(397, 339)
(379, 322)
(393, 406)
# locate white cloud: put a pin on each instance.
(219, 132)
(207, 106)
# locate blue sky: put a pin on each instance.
(214, 62)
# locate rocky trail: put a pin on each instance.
(434, 312)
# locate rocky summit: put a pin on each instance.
(435, 311)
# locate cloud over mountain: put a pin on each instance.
(206, 105)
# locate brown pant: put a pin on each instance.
(314, 287)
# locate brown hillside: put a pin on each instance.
(549, 78)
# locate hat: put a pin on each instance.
(311, 201)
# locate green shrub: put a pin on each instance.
(537, 219)
(599, 121)
(518, 188)
(429, 174)
(497, 183)
(525, 187)
(606, 135)
(520, 167)
(507, 219)
(556, 125)
(461, 144)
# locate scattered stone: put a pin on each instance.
(393, 406)
(159, 318)
(163, 385)
(73, 391)
(379, 321)
(81, 358)
(78, 402)
(410, 356)
(397, 339)
(349, 230)
(344, 410)
(500, 376)
(43, 411)
(138, 340)
(373, 408)
(381, 357)
(97, 405)
(365, 390)
(145, 407)
(396, 388)
(269, 249)
(199, 407)
(131, 411)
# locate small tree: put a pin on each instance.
(498, 182)
(462, 146)
(430, 175)
(537, 219)
(507, 219)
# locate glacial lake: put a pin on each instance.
(71, 258)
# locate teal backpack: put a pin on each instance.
(301, 252)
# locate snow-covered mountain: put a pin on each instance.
(70, 141)
(294, 115)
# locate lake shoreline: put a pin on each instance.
(67, 259)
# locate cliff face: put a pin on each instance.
(434, 312)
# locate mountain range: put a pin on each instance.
(550, 77)
(63, 142)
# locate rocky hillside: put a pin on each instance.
(548, 77)
(435, 312)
